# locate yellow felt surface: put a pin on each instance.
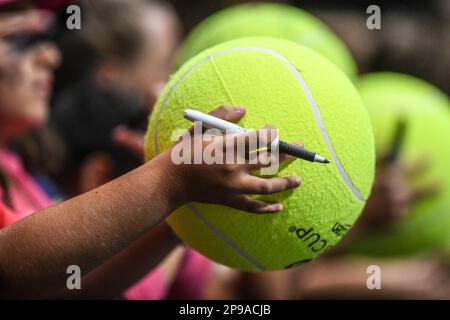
(271, 93)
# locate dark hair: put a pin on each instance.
(110, 29)
(85, 117)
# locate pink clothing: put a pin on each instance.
(190, 281)
(6, 216)
(151, 287)
(26, 196)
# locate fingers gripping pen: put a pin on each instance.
(211, 122)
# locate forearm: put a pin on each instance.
(84, 231)
(116, 275)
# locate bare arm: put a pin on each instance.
(85, 231)
(123, 270)
(90, 229)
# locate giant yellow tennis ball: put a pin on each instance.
(308, 99)
(271, 20)
(391, 97)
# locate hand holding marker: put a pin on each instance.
(222, 125)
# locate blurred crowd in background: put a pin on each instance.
(108, 76)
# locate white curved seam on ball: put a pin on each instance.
(317, 117)
(313, 105)
(219, 234)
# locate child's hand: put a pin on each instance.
(229, 184)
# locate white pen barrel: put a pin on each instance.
(212, 122)
(209, 121)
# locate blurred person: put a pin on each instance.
(42, 153)
(126, 52)
(129, 48)
(110, 229)
(136, 43)
(26, 81)
(86, 119)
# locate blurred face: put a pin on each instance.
(26, 80)
(151, 70)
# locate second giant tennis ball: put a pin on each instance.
(391, 97)
(269, 20)
(309, 100)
